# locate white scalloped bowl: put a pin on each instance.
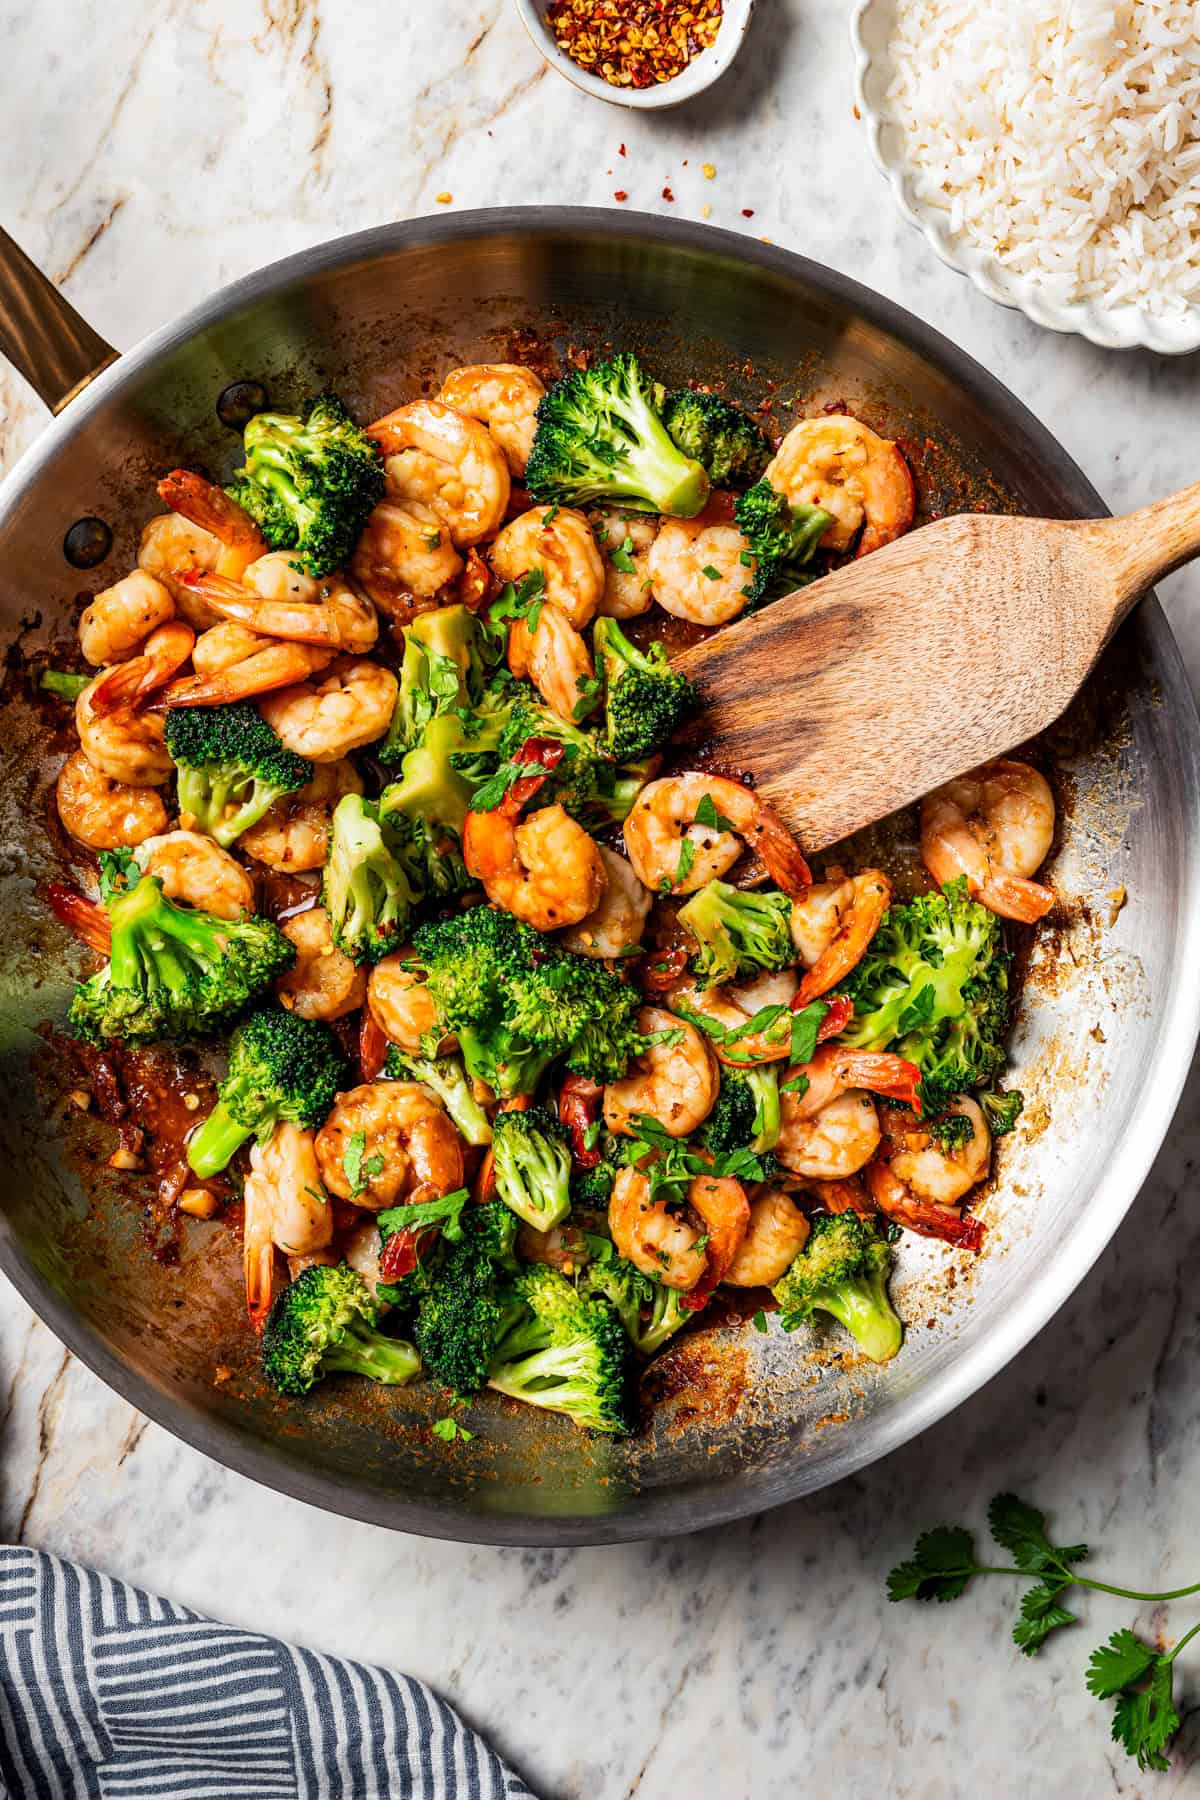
(1122, 327)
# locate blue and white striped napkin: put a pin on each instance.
(107, 1693)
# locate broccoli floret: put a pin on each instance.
(461, 1315)
(430, 788)
(933, 988)
(644, 698)
(280, 1067)
(448, 1080)
(310, 484)
(175, 972)
(533, 1166)
(591, 1189)
(367, 892)
(1002, 1110)
(650, 1312)
(561, 1350)
(738, 931)
(323, 1324)
(747, 1114)
(448, 658)
(783, 539)
(594, 788)
(231, 765)
(843, 1270)
(430, 855)
(599, 438)
(517, 1002)
(714, 432)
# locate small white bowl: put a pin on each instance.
(1121, 327)
(699, 74)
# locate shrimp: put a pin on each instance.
(558, 541)
(402, 1006)
(404, 557)
(293, 834)
(126, 746)
(286, 1208)
(666, 1244)
(193, 868)
(118, 620)
(351, 704)
(617, 924)
(408, 1148)
(623, 539)
(775, 1236)
(276, 601)
(837, 463)
(361, 1248)
(224, 645)
(831, 1129)
(920, 1183)
(555, 658)
(239, 540)
(126, 685)
(674, 1081)
(659, 1242)
(663, 819)
(505, 397)
(995, 826)
(171, 545)
(322, 983)
(545, 869)
(832, 926)
(263, 671)
(103, 813)
(700, 571)
(446, 461)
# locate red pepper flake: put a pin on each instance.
(667, 194)
(620, 149)
(634, 43)
(747, 212)
(620, 194)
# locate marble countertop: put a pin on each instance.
(166, 148)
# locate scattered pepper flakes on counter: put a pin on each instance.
(747, 212)
(443, 199)
(620, 149)
(634, 43)
(709, 170)
(706, 212)
(620, 194)
(667, 194)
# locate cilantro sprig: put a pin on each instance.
(1126, 1669)
(670, 1166)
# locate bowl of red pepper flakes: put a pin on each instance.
(641, 53)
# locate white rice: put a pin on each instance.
(1062, 138)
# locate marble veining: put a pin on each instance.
(167, 148)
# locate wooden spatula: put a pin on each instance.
(856, 695)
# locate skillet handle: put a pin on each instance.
(42, 335)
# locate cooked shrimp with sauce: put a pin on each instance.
(479, 887)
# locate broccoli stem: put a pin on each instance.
(217, 1142)
(861, 1304)
(363, 1351)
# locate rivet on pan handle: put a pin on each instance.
(42, 335)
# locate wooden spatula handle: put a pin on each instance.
(1150, 543)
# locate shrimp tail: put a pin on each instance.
(278, 666)
(892, 1198)
(208, 506)
(893, 1077)
(1015, 897)
(130, 682)
(781, 854)
(848, 1195)
(258, 1263)
(86, 918)
(372, 1046)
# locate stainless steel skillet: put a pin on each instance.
(1113, 996)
